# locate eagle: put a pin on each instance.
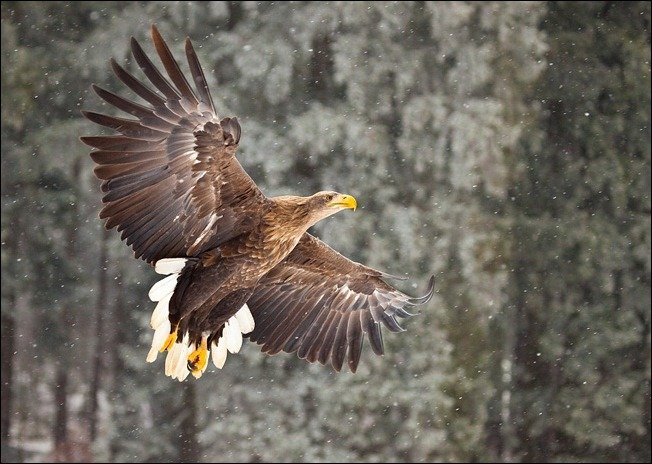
(237, 263)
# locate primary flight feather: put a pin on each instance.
(237, 262)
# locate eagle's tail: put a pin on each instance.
(230, 338)
(192, 358)
(183, 356)
(162, 292)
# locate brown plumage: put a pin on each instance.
(175, 190)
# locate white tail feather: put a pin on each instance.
(219, 352)
(160, 335)
(170, 265)
(181, 368)
(233, 335)
(161, 312)
(152, 355)
(172, 359)
(245, 319)
(163, 287)
(183, 376)
(168, 360)
(174, 355)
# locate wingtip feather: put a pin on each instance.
(425, 298)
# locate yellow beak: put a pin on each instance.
(344, 201)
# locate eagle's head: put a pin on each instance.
(293, 215)
(324, 204)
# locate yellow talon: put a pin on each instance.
(169, 342)
(198, 359)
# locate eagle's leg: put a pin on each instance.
(170, 341)
(198, 359)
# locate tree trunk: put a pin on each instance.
(101, 307)
(236, 13)
(516, 433)
(499, 430)
(60, 430)
(7, 338)
(13, 249)
(66, 321)
(116, 339)
(189, 446)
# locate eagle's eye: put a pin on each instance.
(329, 197)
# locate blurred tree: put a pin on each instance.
(581, 249)
(520, 178)
(378, 100)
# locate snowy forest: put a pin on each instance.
(502, 146)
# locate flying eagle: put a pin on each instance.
(238, 263)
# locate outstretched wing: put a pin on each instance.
(320, 304)
(172, 184)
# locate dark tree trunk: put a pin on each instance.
(8, 325)
(523, 335)
(13, 249)
(236, 13)
(499, 429)
(66, 321)
(188, 444)
(101, 307)
(60, 431)
(322, 69)
(116, 340)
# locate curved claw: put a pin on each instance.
(425, 298)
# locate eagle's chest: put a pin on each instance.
(267, 253)
(251, 257)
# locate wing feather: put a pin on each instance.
(153, 74)
(332, 321)
(172, 184)
(172, 67)
(329, 338)
(311, 334)
(137, 86)
(340, 345)
(320, 304)
(355, 338)
(198, 76)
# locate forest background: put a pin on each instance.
(502, 146)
